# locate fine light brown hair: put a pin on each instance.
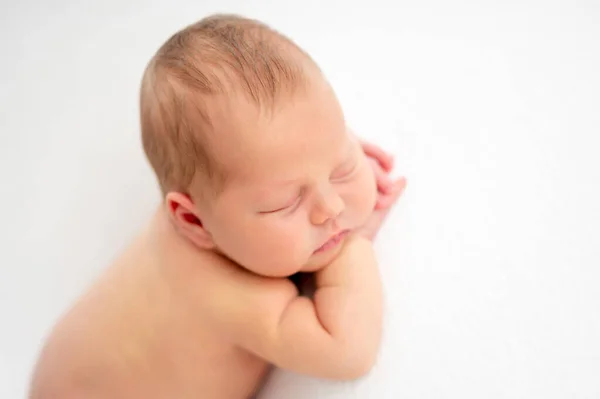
(218, 55)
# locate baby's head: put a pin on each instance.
(250, 147)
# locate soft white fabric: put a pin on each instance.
(490, 263)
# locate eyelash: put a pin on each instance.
(348, 173)
(287, 207)
(298, 199)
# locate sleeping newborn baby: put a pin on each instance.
(262, 180)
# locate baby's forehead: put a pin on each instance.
(290, 160)
(249, 141)
(280, 174)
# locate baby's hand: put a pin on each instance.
(388, 191)
(371, 227)
(382, 164)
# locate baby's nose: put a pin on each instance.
(329, 206)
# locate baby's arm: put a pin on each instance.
(335, 336)
(348, 304)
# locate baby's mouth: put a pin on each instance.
(333, 241)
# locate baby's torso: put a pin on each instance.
(138, 334)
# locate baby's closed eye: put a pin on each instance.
(288, 205)
(345, 171)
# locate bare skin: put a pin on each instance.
(140, 331)
(139, 334)
(200, 306)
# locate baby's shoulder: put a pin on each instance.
(216, 289)
(220, 285)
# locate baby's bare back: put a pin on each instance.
(140, 333)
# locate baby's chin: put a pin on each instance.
(315, 263)
(311, 267)
(319, 260)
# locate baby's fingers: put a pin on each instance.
(382, 178)
(385, 160)
(388, 199)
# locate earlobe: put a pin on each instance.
(184, 215)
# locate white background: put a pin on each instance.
(492, 260)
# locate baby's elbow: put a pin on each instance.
(361, 353)
(354, 363)
(360, 367)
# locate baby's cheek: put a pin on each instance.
(368, 185)
(289, 240)
(366, 194)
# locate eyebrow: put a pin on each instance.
(284, 183)
(348, 157)
(267, 189)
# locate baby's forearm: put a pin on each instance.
(336, 334)
(348, 302)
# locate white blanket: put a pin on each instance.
(491, 261)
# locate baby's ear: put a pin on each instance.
(184, 216)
